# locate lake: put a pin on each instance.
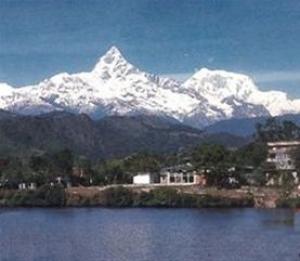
(149, 234)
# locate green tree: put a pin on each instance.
(114, 173)
(142, 162)
(253, 154)
(276, 130)
(295, 157)
(210, 155)
(63, 161)
(218, 163)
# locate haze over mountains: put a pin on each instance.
(116, 87)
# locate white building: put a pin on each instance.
(143, 178)
(27, 186)
(180, 174)
(279, 153)
(280, 156)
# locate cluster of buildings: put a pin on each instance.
(183, 174)
(279, 160)
(279, 164)
(77, 174)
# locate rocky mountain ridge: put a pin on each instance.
(116, 87)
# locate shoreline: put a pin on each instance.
(123, 196)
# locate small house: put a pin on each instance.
(182, 174)
(27, 186)
(22, 186)
(32, 186)
(65, 181)
(143, 178)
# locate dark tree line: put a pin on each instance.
(276, 130)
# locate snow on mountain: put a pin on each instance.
(115, 86)
(219, 87)
(5, 89)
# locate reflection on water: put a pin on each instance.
(281, 217)
(149, 234)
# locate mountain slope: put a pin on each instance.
(246, 127)
(113, 87)
(232, 92)
(110, 137)
(116, 87)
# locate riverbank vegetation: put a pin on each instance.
(121, 197)
(44, 196)
(52, 172)
(46, 168)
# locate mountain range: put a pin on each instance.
(116, 87)
(246, 127)
(109, 137)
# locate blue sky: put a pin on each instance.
(170, 37)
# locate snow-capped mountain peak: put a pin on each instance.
(219, 86)
(5, 89)
(113, 65)
(115, 86)
(221, 83)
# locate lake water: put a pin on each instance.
(149, 234)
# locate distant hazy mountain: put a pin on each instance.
(113, 136)
(246, 127)
(6, 114)
(116, 87)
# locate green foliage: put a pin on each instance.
(167, 198)
(253, 154)
(288, 182)
(52, 195)
(295, 156)
(218, 163)
(164, 197)
(121, 171)
(45, 196)
(117, 197)
(288, 203)
(275, 130)
(256, 177)
(39, 163)
(64, 161)
(142, 162)
(43, 168)
(15, 171)
(210, 155)
(112, 172)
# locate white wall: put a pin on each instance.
(142, 179)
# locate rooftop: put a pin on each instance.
(283, 143)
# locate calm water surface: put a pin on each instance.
(149, 234)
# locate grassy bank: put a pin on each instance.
(162, 197)
(45, 196)
(56, 196)
(169, 197)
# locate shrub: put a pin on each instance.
(117, 197)
(288, 203)
(45, 196)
